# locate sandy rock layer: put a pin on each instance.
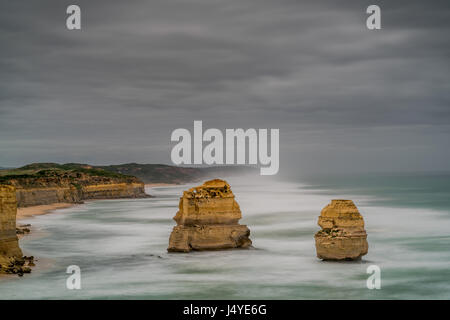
(343, 236)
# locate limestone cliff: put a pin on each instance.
(343, 236)
(208, 219)
(11, 257)
(73, 185)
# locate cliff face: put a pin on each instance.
(208, 219)
(343, 236)
(27, 197)
(47, 187)
(11, 260)
(113, 191)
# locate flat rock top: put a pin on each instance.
(340, 207)
(215, 183)
(215, 188)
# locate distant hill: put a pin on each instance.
(160, 173)
(55, 169)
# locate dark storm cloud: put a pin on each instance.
(114, 91)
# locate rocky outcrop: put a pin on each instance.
(342, 236)
(208, 220)
(11, 257)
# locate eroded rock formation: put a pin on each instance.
(342, 236)
(208, 219)
(11, 257)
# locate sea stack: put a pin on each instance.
(11, 257)
(342, 236)
(207, 219)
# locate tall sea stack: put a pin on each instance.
(342, 236)
(11, 257)
(208, 219)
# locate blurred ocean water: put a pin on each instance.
(120, 245)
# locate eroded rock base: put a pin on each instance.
(212, 237)
(18, 266)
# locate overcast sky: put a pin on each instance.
(344, 97)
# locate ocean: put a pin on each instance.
(120, 245)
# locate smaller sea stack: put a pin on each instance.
(208, 220)
(343, 236)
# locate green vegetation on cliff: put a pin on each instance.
(35, 168)
(73, 171)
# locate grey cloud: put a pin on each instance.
(114, 91)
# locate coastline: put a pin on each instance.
(27, 212)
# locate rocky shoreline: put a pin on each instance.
(42, 190)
